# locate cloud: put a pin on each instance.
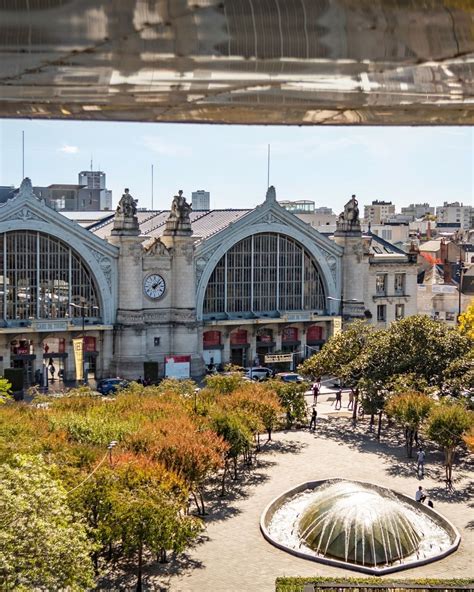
(67, 149)
(165, 147)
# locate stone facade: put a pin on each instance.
(152, 287)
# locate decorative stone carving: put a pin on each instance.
(157, 249)
(126, 221)
(332, 264)
(348, 220)
(178, 223)
(26, 189)
(26, 214)
(105, 265)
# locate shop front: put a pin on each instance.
(265, 344)
(22, 357)
(314, 339)
(239, 347)
(290, 343)
(212, 348)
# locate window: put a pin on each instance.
(399, 283)
(41, 277)
(381, 284)
(399, 311)
(381, 312)
(264, 273)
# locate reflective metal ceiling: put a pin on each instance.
(239, 61)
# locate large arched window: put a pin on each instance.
(265, 273)
(41, 277)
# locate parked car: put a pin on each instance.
(258, 373)
(290, 377)
(109, 386)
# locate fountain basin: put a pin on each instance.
(357, 526)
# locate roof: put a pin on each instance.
(431, 246)
(152, 223)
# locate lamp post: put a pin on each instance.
(459, 242)
(82, 307)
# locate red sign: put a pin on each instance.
(289, 334)
(211, 338)
(238, 337)
(177, 359)
(265, 336)
(89, 344)
(314, 333)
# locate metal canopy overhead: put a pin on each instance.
(390, 62)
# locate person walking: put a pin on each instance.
(315, 393)
(52, 371)
(420, 495)
(312, 423)
(338, 400)
(420, 459)
(350, 405)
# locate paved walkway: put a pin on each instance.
(234, 557)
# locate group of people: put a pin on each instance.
(144, 381)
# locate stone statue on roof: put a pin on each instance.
(349, 219)
(126, 221)
(178, 222)
(127, 205)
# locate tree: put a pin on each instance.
(5, 388)
(415, 345)
(466, 321)
(410, 410)
(447, 425)
(459, 376)
(235, 431)
(150, 516)
(42, 545)
(291, 397)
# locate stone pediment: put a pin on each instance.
(157, 249)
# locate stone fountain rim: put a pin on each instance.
(278, 501)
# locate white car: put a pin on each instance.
(258, 373)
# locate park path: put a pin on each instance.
(234, 556)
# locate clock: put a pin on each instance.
(154, 286)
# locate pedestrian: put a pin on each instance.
(140, 380)
(350, 405)
(52, 370)
(315, 393)
(420, 495)
(338, 400)
(312, 423)
(420, 459)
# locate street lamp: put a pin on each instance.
(82, 307)
(460, 274)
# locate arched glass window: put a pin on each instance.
(41, 277)
(265, 272)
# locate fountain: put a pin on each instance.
(358, 526)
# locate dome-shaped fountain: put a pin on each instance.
(358, 526)
(348, 521)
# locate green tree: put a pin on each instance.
(235, 431)
(150, 517)
(447, 425)
(291, 397)
(339, 356)
(5, 389)
(224, 384)
(459, 376)
(409, 410)
(42, 545)
(415, 345)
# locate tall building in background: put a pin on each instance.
(378, 211)
(95, 181)
(416, 211)
(455, 214)
(201, 200)
(306, 210)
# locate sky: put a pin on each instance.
(325, 164)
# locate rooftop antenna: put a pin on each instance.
(22, 154)
(268, 167)
(91, 163)
(152, 187)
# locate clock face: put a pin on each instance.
(154, 286)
